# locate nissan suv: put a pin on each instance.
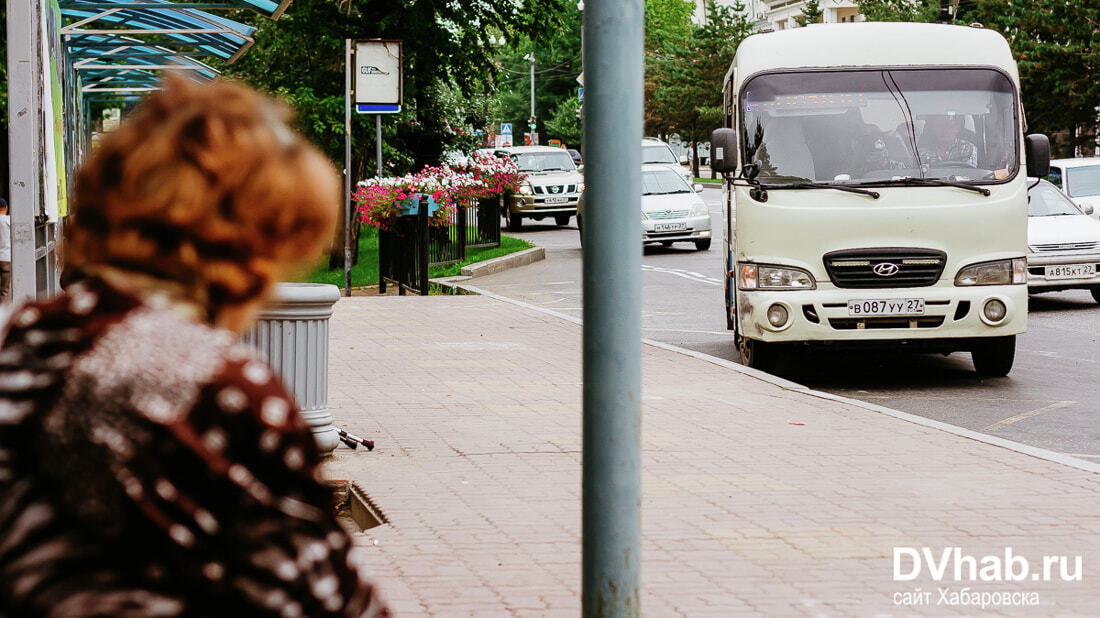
(552, 187)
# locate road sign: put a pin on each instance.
(505, 128)
(580, 94)
(378, 77)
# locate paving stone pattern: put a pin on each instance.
(475, 407)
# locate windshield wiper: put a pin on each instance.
(820, 185)
(912, 181)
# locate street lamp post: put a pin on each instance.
(612, 52)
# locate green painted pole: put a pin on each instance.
(613, 53)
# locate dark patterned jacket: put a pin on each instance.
(151, 465)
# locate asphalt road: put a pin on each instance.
(1051, 399)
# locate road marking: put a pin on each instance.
(686, 274)
(687, 330)
(1083, 455)
(1026, 415)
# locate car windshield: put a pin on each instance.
(544, 161)
(657, 153)
(1083, 181)
(878, 125)
(1047, 201)
(663, 182)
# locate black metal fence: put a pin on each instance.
(406, 253)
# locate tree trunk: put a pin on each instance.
(694, 158)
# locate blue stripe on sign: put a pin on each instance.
(364, 108)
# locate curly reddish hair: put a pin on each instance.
(203, 186)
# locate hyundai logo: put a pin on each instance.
(886, 269)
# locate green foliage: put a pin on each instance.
(666, 22)
(557, 65)
(448, 69)
(899, 10)
(565, 124)
(366, 271)
(1055, 45)
(687, 76)
(811, 13)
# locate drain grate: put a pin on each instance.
(364, 512)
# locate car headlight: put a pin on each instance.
(525, 190)
(644, 217)
(1001, 272)
(699, 210)
(757, 277)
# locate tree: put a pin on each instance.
(667, 25)
(448, 68)
(811, 13)
(688, 80)
(1054, 43)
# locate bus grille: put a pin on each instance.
(861, 268)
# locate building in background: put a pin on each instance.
(782, 14)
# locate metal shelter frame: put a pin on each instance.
(109, 50)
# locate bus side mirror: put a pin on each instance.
(723, 151)
(1037, 151)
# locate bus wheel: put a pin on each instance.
(1096, 294)
(993, 357)
(758, 354)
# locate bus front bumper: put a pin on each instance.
(822, 315)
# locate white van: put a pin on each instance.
(880, 191)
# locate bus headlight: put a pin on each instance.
(758, 277)
(1001, 272)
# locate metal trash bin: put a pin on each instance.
(292, 335)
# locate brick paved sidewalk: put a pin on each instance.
(475, 405)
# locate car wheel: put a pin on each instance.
(580, 229)
(993, 357)
(561, 219)
(758, 354)
(1096, 294)
(702, 245)
(513, 221)
(666, 243)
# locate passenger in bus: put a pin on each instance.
(942, 143)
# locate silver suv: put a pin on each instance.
(552, 188)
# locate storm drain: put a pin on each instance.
(364, 512)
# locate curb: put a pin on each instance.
(504, 262)
(787, 385)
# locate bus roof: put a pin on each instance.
(873, 44)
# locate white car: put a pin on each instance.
(1079, 179)
(672, 210)
(656, 152)
(1063, 243)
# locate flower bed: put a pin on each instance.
(379, 201)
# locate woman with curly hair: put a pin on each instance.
(151, 464)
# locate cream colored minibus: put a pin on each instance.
(876, 193)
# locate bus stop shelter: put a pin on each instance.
(64, 56)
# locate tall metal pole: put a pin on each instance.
(347, 166)
(531, 123)
(612, 52)
(378, 142)
(24, 144)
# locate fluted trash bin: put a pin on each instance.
(292, 334)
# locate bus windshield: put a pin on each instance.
(876, 126)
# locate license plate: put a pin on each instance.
(891, 306)
(1071, 271)
(557, 200)
(669, 227)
